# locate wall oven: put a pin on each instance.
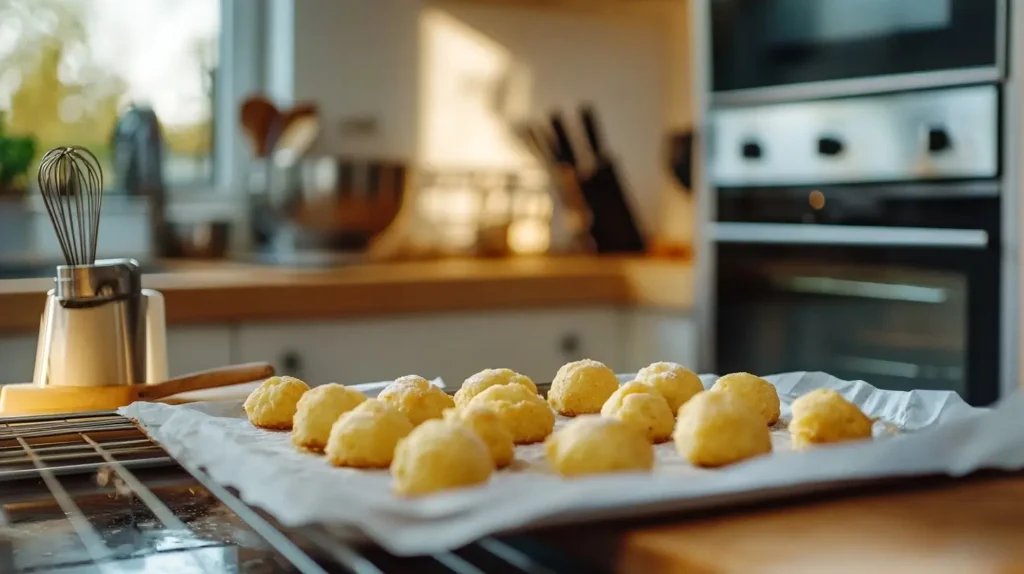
(890, 291)
(762, 47)
(861, 237)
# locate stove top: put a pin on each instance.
(90, 492)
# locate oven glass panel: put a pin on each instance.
(762, 43)
(893, 322)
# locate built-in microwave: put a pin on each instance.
(788, 47)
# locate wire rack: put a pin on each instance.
(91, 492)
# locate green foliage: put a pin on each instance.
(81, 110)
(16, 155)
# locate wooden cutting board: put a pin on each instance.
(232, 393)
(30, 399)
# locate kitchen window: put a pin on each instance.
(68, 68)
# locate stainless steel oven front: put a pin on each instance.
(900, 296)
(861, 237)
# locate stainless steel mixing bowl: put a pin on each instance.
(337, 203)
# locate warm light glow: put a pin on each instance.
(473, 94)
(816, 199)
(529, 237)
(472, 91)
(497, 204)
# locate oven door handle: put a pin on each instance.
(834, 286)
(816, 234)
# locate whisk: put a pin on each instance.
(71, 183)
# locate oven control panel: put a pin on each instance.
(939, 134)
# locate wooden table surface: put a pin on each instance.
(973, 525)
(234, 292)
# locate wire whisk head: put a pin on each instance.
(71, 183)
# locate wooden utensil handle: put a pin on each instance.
(208, 379)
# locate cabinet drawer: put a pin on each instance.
(17, 358)
(188, 349)
(196, 348)
(452, 346)
(653, 335)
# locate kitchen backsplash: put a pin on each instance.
(443, 80)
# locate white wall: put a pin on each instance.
(365, 58)
(359, 58)
(571, 57)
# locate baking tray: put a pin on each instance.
(937, 433)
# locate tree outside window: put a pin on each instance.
(69, 68)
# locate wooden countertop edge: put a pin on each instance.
(928, 524)
(944, 525)
(246, 293)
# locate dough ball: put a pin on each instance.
(438, 455)
(594, 445)
(757, 392)
(716, 429)
(273, 404)
(582, 387)
(524, 413)
(317, 411)
(375, 406)
(642, 407)
(487, 378)
(675, 382)
(366, 436)
(490, 428)
(416, 398)
(824, 416)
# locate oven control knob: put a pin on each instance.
(830, 146)
(938, 140)
(751, 149)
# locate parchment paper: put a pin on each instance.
(918, 433)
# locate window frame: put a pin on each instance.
(242, 69)
(239, 73)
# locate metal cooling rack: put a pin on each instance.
(91, 492)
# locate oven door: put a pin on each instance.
(769, 43)
(901, 317)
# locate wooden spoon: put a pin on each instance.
(26, 399)
(295, 129)
(258, 117)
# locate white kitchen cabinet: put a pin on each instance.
(196, 348)
(452, 346)
(449, 345)
(188, 349)
(655, 335)
(17, 358)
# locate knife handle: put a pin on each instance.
(589, 119)
(563, 146)
(542, 141)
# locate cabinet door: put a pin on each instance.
(188, 349)
(192, 349)
(17, 358)
(654, 335)
(451, 346)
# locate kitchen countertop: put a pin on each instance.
(934, 525)
(961, 526)
(237, 292)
